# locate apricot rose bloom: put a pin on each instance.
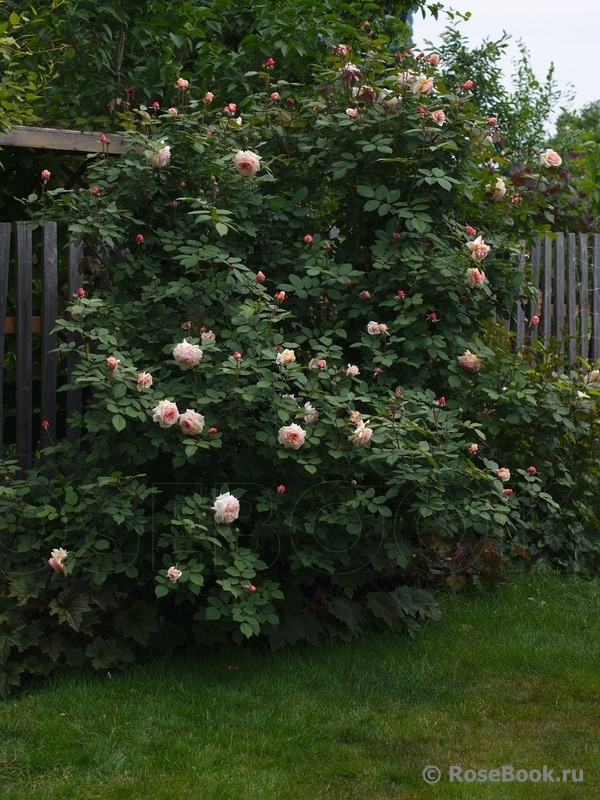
(285, 357)
(352, 371)
(479, 249)
(291, 436)
(439, 117)
(173, 574)
(57, 559)
(310, 414)
(498, 190)
(144, 381)
(191, 422)
(375, 328)
(226, 508)
(475, 277)
(161, 158)
(186, 354)
(166, 414)
(422, 85)
(550, 158)
(246, 162)
(469, 362)
(361, 435)
(503, 474)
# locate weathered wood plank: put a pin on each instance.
(547, 291)
(571, 298)
(536, 251)
(49, 340)
(583, 296)
(4, 266)
(559, 303)
(58, 139)
(24, 355)
(521, 306)
(73, 396)
(596, 298)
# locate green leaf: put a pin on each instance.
(118, 422)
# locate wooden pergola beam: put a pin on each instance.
(58, 139)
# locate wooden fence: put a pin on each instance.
(566, 270)
(27, 425)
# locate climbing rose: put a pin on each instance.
(275, 96)
(479, 249)
(442, 401)
(186, 354)
(112, 363)
(165, 413)
(535, 320)
(375, 328)
(365, 295)
(161, 157)
(469, 362)
(226, 508)
(144, 381)
(422, 85)
(291, 436)
(361, 435)
(207, 336)
(280, 297)
(503, 474)
(352, 371)
(139, 238)
(468, 85)
(317, 363)
(251, 588)
(173, 574)
(531, 470)
(433, 59)
(209, 97)
(550, 158)
(310, 414)
(492, 121)
(57, 559)
(246, 162)
(285, 357)
(406, 79)
(470, 231)
(281, 489)
(439, 117)
(475, 277)
(46, 175)
(260, 277)
(182, 83)
(191, 422)
(354, 417)
(80, 292)
(508, 492)
(498, 190)
(474, 448)
(308, 238)
(352, 112)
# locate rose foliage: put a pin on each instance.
(298, 411)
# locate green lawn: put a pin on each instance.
(508, 678)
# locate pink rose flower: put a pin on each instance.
(144, 381)
(182, 83)
(173, 112)
(468, 85)
(308, 238)
(291, 436)
(498, 190)
(275, 96)
(260, 277)
(352, 371)
(550, 158)
(422, 85)
(226, 508)
(375, 328)
(46, 175)
(286, 357)
(433, 59)
(479, 249)
(361, 435)
(474, 448)
(173, 574)
(475, 277)
(352, 112)
(492, 121)
(317, 363)
(310, 414)
(281, 489)
(246, 162)
(355, 417)
(186, 354)
(209, 97)
(112, 363)
(191, 422)
(165, 413)
(508, 492)
(280, 297)
(207, 336)
(503, 474)
(442, 401)
(535, 320)
(57, 559)
(531, 470)
(161, 158)
(365, 295)
(469, 362)
(439, 117)
(251, 588)
(470, 231)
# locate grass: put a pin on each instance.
(511, 677)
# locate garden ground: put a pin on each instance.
(510, 677)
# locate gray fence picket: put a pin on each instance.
(5, 228)
(571, 298)
(596, 298)
(49, 340)
(73, 396)
(547, 291)
(583, 296)
(559, 298)
(536, 252)
(24, 355)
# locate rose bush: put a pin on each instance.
(325, 465)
